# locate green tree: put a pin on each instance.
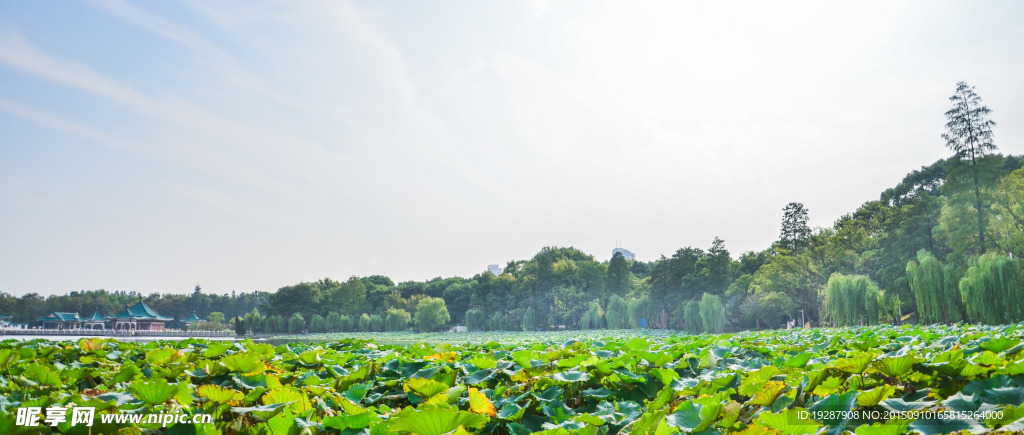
(620, 279)
(397, 320)
(617, 314)
(854, 300)
(712, 313)
(431, 314)
(529, 320)
(993, 290)
(969, 135)
(253, 320)
(274, 324)
(334, 322)
(718, 265)
(365, 324)
(593, 318)
(691, 316)
(317, 324)
(296, 323)
(239, 326)
(639, 308)
(475, 320)
(795, 233)
(215, 317)
(376, 323)
(935, 289)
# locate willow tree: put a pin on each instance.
(991, 290)
(691, 316)
(853, 300)
(317, 324)
(498, 322)
(594, 317)
(617, 314)
(296, 323)
(334, 322)
(474, 320)
(712, 313)
(638, 309)
(397, 319)
(935, 289)
(529, 319)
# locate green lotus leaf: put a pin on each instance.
(572, 376)
(873, 396)
(216, 349)
(296, 400)
(155, 392)
(162, 356)
(42, 375)
(693, 417)
(218, 394)
(424, 387)
(351, 421)
(244, 363)
(895, 367)
(856, 363)
(936, 426)
(768, 393)
(262, 350)
(789, 421)
(1000, 344)
(433, 420)
(480, 376)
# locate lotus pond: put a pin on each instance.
(874, 380)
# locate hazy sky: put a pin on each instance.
(250, 145)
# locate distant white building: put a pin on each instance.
(494, 268)
(626, 253)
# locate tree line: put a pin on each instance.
(943, 245)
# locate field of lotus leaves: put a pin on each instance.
(872, 380)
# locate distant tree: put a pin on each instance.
(475, 320)
(993, 290)
(296, 323)
(969, 135)
(317, 324)
(795, 232)
(718, 263)
(691, 316)
(376, 322)
(936, 290)
(712, 313)
(593, 318)
(397, 320)
(639, 308)
(365, 324)
(215, 317)
(529, 319)
(347, 323)
(253, 321)
(239, 326)
(334, 322)
(851, 300)
(617, 314)
(620, 279)
(431, 314)
(274, 324)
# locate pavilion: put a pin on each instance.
(5, 320)
(60, 320)
(139, 317)
(94, 320)
(191, 320)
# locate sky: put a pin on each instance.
(249, 145)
